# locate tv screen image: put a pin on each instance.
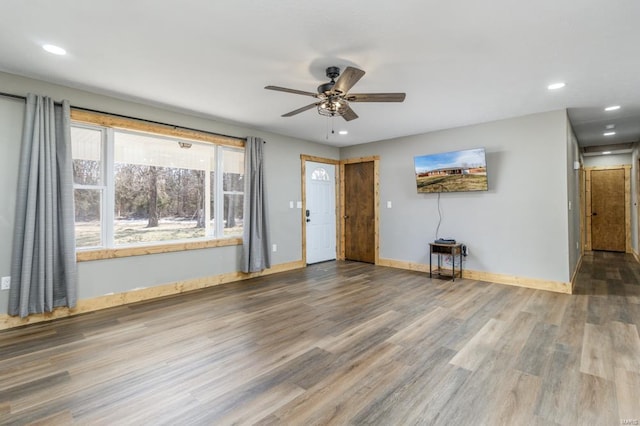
(456, 171)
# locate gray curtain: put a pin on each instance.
(43, 265)
(256, 253)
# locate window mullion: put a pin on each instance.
(207, 200)
(109, 193)
(219, 195)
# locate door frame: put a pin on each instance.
(340, 201)
(627, 204)
(376, 203)
(303, 160)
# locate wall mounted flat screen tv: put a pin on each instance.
(456, 171)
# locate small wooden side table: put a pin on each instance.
(439, 249)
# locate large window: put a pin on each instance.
(135, 188)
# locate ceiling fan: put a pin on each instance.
(334, 97)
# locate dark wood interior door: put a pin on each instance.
(607, 210)
(359, 211)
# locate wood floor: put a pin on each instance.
(340, 343)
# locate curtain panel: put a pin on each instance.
(256, 253)
(43, 266)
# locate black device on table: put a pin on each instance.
(445, 241)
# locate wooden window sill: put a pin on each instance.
(88, 255)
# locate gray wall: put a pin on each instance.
(519, 227)
(573, 202)
(11, 119)
(117, 275)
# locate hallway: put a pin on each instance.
(609, 274)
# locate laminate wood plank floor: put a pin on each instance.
(340, 343)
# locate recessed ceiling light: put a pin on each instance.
(54, 49)
(612, 108)
(610, 126)
(609, 133)
(606, 152)
(343, 132)
(556, 86)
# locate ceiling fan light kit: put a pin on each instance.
(333, 97)
(331, 108)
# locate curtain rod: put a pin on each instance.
(24, 98)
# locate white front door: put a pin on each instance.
(320, 214)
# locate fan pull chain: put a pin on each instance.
(333, 132)
(328, 128)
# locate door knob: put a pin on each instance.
(594, 214)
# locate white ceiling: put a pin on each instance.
(460, 62)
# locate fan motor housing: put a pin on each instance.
(326, 87)
(332, 73)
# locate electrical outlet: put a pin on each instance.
(274, 248)
(6, 283)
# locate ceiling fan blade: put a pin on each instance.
(349, 114)
(294, 91)
(299, 110)
(376, 97)
(347, 79)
